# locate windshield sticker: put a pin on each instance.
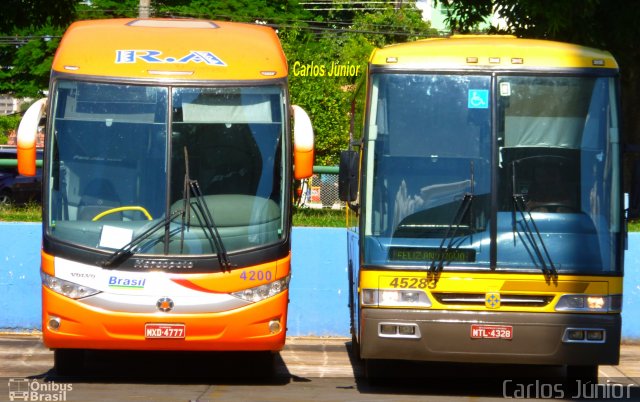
(478, 99)
(505, 89)
(155, 56)
(115, 237)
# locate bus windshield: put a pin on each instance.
(122, 158)
(441, 165)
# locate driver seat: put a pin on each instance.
(99, 196)
(551, 186)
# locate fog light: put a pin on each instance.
(274, 326)
(407, 330)
(595, 335)
(54, 323)
(575, 335)
(386, 329)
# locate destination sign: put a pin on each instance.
(431, 253)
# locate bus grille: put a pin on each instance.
(478, 299)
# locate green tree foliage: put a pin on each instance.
(8, 123)
(343, 37)
(19, 14)
(236, 10)
(36, 26)
(108, 9)
(393, 26)
(328, 98)
(325, 98)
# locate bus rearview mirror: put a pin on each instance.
(348, 176)
(27, 138)
(303, 146)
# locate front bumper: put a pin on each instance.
(89, 327)
(446, 336)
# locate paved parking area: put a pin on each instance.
(318, 369)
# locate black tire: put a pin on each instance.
(258, 365)
(68, 361)
(375, 372)
(584, 374)
(355, 348)
(353, 308)
(5, 197)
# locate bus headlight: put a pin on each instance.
(395, 298)
(263, 291)
(590, 303)
(66, 288)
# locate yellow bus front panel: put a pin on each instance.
(489, 318)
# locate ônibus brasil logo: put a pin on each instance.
(155, 56)
(25, 389)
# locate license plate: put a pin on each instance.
(491, 331)
(164, 331)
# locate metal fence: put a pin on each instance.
(320, 190)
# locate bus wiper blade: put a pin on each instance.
(521, 206)
(441, 255)
(128, 249)
(192, 187)
(205, 214)
(450, 235)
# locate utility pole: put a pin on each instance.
(143, 8)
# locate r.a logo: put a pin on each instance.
(155, 56)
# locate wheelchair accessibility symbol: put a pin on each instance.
(478, 99)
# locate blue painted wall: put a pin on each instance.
(631, 298)
(19, 275)
(319, 289)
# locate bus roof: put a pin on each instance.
(491, 52)
(174, 49)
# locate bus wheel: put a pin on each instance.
(260, 365)
(355, 347)
(374, 371)
(582, 373)
(68, 361)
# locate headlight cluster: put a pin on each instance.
(263, 291)
(395, 298)
(590, 303)
(66, 288)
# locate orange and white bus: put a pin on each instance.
(167, 187)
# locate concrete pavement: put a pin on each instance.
(308, 369)
(314, 357)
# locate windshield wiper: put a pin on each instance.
(205, 215)
(128, 249)
(521, 207)
(441, 255)
(450, 235)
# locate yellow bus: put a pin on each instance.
(167, 184)
(485, 221)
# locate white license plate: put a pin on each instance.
(164, 331)
(491, 331)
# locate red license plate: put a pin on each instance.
(164, 331)
(491, 331)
